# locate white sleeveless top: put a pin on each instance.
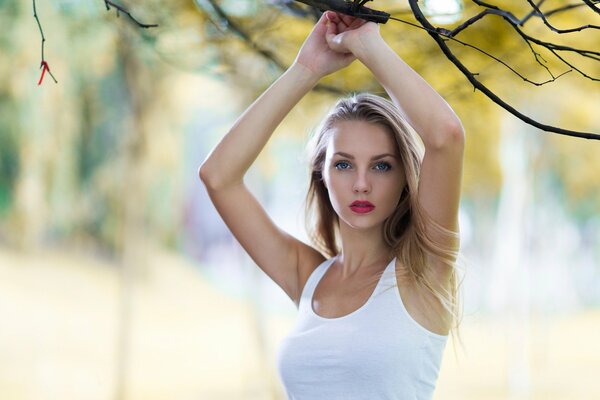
(376, 352)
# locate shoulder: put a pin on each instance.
(309, 259)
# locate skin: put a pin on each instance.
(360, 178)
(334, 43)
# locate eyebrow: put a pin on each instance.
(377, 157)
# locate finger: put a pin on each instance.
(321, 24)
(357, 23)
(333, 16)
(333, 41)
(341, 22)
(331, 29)
(347, 19)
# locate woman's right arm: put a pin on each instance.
(272, 249)
(282, 257)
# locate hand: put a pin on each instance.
(316, 55)
(350, 34)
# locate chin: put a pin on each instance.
(361, 223)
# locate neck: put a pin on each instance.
(362, 249)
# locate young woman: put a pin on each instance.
(385, 210)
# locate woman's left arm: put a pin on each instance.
(422, 107)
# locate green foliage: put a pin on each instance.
(9, 7)
(102, 112)
(9, 151)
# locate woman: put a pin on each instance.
(385, 214)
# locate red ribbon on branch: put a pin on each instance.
(45, 67)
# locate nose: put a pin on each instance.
(361, 183)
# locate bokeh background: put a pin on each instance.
(118, 280)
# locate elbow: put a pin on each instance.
(450, 135)
(455, 133)
(214, 182)
(205, 176)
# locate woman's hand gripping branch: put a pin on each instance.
(346, 34)
(321, 55)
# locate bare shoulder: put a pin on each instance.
(309, 259)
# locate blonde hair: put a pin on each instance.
(411, 234)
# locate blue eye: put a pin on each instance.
(341, 165)
(384, 166)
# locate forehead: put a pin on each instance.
(361, 138)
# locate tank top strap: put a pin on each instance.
(387, 280)
(311, 283)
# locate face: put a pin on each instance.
(362, 164)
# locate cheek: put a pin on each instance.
(337, 190)
(333, 188)
(393, 191)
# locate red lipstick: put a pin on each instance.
(362, 207)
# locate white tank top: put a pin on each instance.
(376, 352)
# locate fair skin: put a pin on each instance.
(350, 173)
(334, 43)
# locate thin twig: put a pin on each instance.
(563, 8)
(537, 12)
(233, 26)
(43, 63)
(119, 8)
(445, 33)
(516, 23)
(484, 89)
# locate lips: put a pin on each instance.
(362, 207)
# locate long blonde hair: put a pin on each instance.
(411, 234)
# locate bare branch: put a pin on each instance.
(267, 54)
(43, 63)
(349, 8)
(592, 4)
(516, 23)
(446, 33)
(536, 11)
(478, 85)
(563, 8)
(119, 8)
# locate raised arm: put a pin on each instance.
(281, 256)
(423, 108)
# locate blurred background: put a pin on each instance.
(118, 279)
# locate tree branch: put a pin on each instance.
(592, 4)
(538, 13)
(43, 63)
(515, 23)
(447, 35)
(433, 32)
(267, 54)
(563, 8)
(119, 8)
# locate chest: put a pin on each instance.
(334, 298)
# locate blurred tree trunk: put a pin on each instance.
(134, 235)
(27, 220)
